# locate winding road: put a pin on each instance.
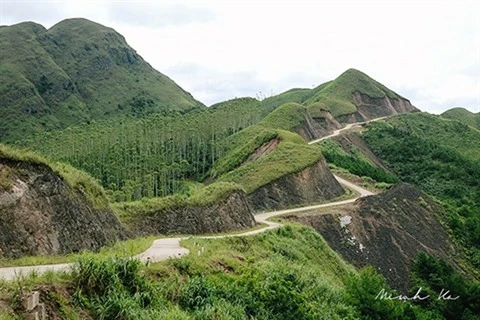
(163, 249)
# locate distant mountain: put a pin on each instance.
(352, 96)
(463, 115)
(75, 72)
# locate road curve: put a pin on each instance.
(163, 249)
(347, 127)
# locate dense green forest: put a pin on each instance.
(442, 158)
(135, 157)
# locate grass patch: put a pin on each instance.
(213, 193)
(286, 117)
(126, 248)
(241, 145)
(288, 157)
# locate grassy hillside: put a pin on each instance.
(451, 134)
(442, 157)
(290, 152)
(463, 115)
(76, 72)
(286, 117)
(291, 155)
(337, 95)
(289, 273)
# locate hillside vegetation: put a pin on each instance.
(75, 72)
(289, 273)
(442, 157)
(335, 96)
(463, 115)
(149, 157)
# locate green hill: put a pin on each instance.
(463, 115)
(442, 157)
(348, 94)
(75, 72)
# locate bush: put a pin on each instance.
(113, 288)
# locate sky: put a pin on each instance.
(427, 51)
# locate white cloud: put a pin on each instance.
(427, 51)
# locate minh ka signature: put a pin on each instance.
(443, 295)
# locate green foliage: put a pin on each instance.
(288, 157)
(335, 96)
(464, 116)
(113, 288)
(210, 194)
(443, 161)
(286, 117)
(74, 72)
(451, 134)
(364, 291)
(123, 249)
(240, 146)
(355, 162)
(149, 157)
(434, 276)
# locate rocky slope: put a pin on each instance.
(312, 184)
(75, 72)
(231, 213)
(41, 213)
(387, 231)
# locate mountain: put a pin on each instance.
(352, 97)
(351, 93)
(463, 115)
(75, 72)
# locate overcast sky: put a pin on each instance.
(428, 51)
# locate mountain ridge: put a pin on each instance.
(75, 72)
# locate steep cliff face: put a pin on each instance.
(316, 127)
(370, 108)
(41, 214)
(387, 231)
(233, 213)
(312, 184)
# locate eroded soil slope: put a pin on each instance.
(387, 231)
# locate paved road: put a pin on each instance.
(347, 127)
(166, 248)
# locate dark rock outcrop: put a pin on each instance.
(312, 184)
(370, 108)
(233, 213)
(314, 128)
(387, 231)
(41, 214)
